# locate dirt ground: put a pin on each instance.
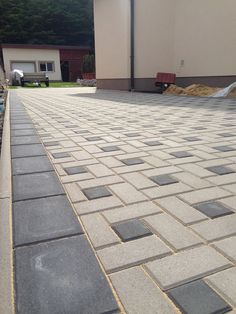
(195, 90)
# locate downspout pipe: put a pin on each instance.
(132, 43)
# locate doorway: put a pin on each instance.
(65, 71)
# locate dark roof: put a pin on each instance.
(56, 47)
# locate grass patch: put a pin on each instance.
(51, 84)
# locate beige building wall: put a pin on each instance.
(112, 38)
(35, 55)
(205, 38)
(193, 38)
(154, 37)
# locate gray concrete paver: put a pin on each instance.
(174, 137)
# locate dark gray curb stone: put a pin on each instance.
(30, 186)
(61, 276)
(27, 150)
(25, 140)
(15, 133)
(34, 164)
(44, 219)
(198, 298)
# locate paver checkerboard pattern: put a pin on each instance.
(177, 137)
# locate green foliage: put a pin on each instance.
(60, 22)
(89, 64)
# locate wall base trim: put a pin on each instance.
(148, 84)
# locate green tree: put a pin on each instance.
(63, 22)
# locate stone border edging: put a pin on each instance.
(6, 244)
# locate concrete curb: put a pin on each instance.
(6, 245)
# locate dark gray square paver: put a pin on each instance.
(224, 148)
(30, 186)
(97, 192)
(226, 134)
(60, 155)
(75, 170)
(132, 134)
(61, 276)
(164, 179)
(93, 138)
(131, 230)
(213, 209)
(31, 165)
(132, 161)
(153, 143)
(43, 219)
(82, 131)
(191, 139)
(181, 154)
(198, 298)
(25, 140)
(110, 148)
(48, 144)
(221, 170)
(27, 150)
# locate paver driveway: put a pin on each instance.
(153, 182)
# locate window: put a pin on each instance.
(46, 66)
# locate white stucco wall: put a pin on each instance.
(112, 38)
(35, 55)
(199, 32)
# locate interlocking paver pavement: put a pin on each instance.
(123, 140)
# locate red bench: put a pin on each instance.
(164, 80)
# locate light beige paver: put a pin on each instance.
(128, 193)
(227, 247)
(181, 210)
(192, 180)
(212, 230)
(100, 170)
(186, 266)
(132, 253)
(230, 202)
(161, 191)
(75, 193)
(225, 179)
(98, 205)
(99, 182)
(204, 195)
(98, 230)
(197, 170)
(139, 294)
(172, 232)
(224, 283)
(138, 180)
(132, 211)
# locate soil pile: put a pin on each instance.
(192, 90)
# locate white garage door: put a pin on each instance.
(28, 67)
